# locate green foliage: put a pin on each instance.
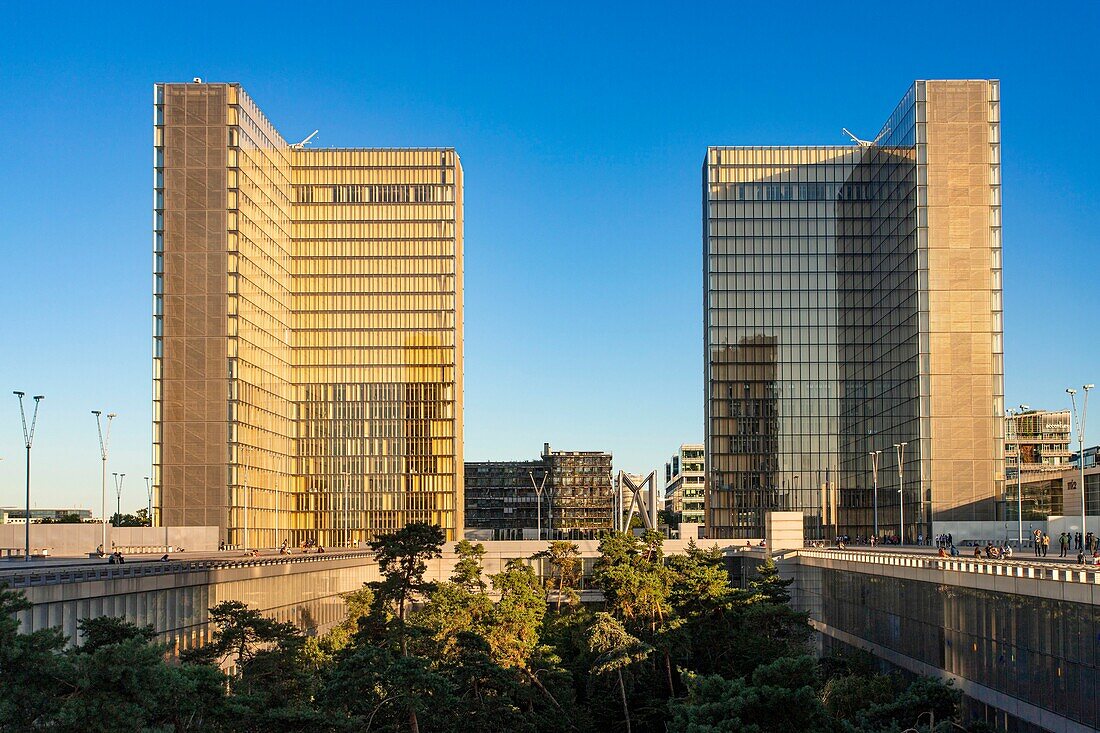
(761, 705)
(31, 664)
(769, 585)
(616, 649)
(468, 568)
(565, 571)
(676, 647)
(139, 519)
(402, 559)
(105, 630)
(451, 610)
(512, 630)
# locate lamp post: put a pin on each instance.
(1012, 415)
(245, 487)
(538, 495)
(1081, 446)
(28, 437)
(900, 447)
(119, 478)
(149, 496)
(104, 442)
(874, 480)
(347, 517)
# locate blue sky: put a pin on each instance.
(581, 127)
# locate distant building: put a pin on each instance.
(18, 515)
(501, 500)
(1037, 441)
(684, 484)
(1090, 457)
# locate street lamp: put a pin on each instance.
(119, 478)
(1081, 446)
(149, 495)
(538, 494)
(28, 437)
(1012, 415)
(104, 442)
(900, 447)
(347, 515)
(874, 479)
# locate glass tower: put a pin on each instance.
(307, 328)
(853, 306)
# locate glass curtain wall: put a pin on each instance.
(377, 314)
(771, 335)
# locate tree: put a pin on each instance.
(617, 650)
(104, 630)
(31, 665)
(669, 518)
(468, 567)
(565, 570)
(452, 609)
(780, 696)
(375, 689)
(402, 559)
(130, 520)
(769, 584)
(241, 633)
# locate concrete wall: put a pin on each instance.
(74, 540)
(784, 531)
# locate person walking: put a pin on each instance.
(1063, 544)
(1046, 543)
(1037, 541)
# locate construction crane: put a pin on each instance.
(866, 143)
(299, 146)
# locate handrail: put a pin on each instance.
(24, 577)
(1065, 572)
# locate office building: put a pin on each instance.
(853, 305)
(307, 328)
(502, 502)
(684, 484)
(18, 515)
(1037, 441)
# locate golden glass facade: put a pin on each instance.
(308, 328)
(853, 302)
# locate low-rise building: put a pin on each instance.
(503, 497)
(1037, 442)
(685, 477)
(18, 515)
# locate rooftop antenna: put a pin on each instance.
(299, 146)
(866, 143)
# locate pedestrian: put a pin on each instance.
(1046, 543)
(1037, 541)
(1063, 543)
(1077, 540)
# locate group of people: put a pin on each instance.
(1089, 545)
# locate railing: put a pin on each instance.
(1008, 568)
(22, 578)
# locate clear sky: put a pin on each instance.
(582, 129)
